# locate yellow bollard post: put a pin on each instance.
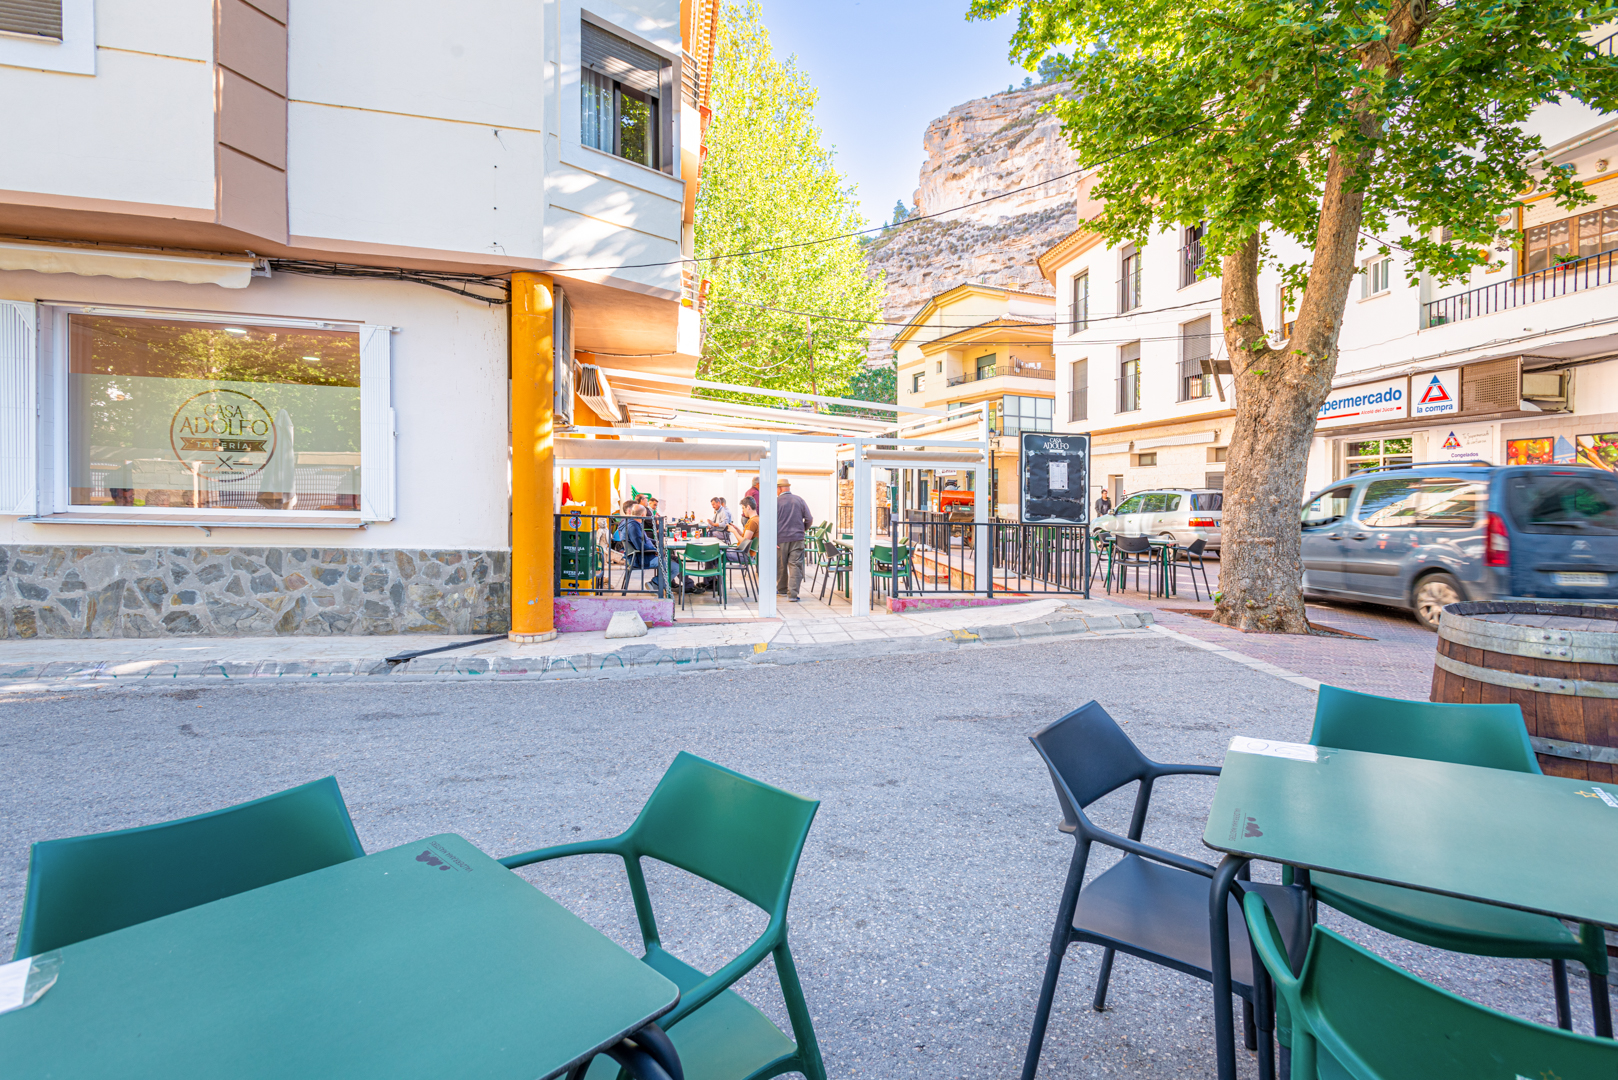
(533, 433)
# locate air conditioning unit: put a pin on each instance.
(1547, 389)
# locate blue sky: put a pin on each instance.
(885, 69)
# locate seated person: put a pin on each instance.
(748, 529)
(640, 552)
(721, 515)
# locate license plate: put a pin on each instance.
(1580, 579)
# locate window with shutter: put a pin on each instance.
(36, 18)
(623, 98)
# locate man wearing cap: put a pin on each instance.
(792, 521)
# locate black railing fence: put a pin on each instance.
(596, 556)
(988, 558)
(1569, 277)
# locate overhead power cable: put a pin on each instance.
(916, 219)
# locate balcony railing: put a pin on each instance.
(1569, 277)
(1023, 371)
(1078, 405)
(1129, 392)
(1191, 256)
(1193, 383)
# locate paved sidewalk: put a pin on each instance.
(58, 661)
(1397, 662)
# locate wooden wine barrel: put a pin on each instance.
(1558, 661)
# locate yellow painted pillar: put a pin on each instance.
(533, 433)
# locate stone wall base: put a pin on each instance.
(108, 592)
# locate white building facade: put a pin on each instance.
(254, 326)
(1519, 364)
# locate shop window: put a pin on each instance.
(1377, 453)
(198, 415)
(622, 94)
(1578, 237)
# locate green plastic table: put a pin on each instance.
(1538, 843)
(427, 960)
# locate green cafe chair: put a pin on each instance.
(84, 886)
(1490, 736)
(887, 567)
(1357, 1016)
(704, 560)
(745, 837)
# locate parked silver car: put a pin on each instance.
(1182, 515)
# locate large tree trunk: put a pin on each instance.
(1279, 392)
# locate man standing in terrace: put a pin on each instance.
(792, 521)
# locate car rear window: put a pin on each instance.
(1585, 500)
(1422, 501)
(1212, 500)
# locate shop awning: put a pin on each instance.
(229, 272)
(622, 453)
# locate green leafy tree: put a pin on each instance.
(901, 212)
(768, 185)
(874, 382)
(1323, 122)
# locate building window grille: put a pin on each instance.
(1129, 280)
(1129, 377)
(1079, 311)
(1196, 348)
(1191, 255)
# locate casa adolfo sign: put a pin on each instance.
(1055, 471)
(223, 435)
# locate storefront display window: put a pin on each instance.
(1551, 450)
(212, 416)
(1378, 453)
(1599, 451)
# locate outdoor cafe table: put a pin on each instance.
(1542, 844)
(1168, 581)
(427, 960)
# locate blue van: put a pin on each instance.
(1425, 535)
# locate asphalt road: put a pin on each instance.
(924, 900)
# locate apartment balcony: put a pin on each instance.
(1573, 276)
(1019, 371)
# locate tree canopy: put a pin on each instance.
(1401, 123)
(769, 183)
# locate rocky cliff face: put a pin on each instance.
(976, 151)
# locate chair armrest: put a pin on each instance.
(1146, 851)
(721, 980)
(1185, 770)
(1261, 929)
(612, 845)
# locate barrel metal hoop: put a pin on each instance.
(1553, 645)
(1578, 751)
(1544, 685)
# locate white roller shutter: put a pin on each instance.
(377, 435)
(19, 409)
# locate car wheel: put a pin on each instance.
(1433, 592)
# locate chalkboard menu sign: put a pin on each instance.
(1055, 472)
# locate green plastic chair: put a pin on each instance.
(1490, 736)
(885, 567)
(704, 559)
(745, 837)
(84, 886)
(1359, 1017)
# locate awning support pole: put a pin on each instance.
(767, 528)
(860, 573)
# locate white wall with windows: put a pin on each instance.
(254, 371)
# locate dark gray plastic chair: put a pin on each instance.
(1194, 564)
(1135, 553)
(1151, 903)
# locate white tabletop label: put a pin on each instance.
(23, 981)
(1593, 793)
(1241, 744)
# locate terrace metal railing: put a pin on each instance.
(941, 556)
(1572, 276)
(1025, 371)
(594, 556)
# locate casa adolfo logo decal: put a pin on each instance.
(223, 435)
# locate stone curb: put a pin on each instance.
(581, 665)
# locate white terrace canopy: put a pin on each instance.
(670, 431)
